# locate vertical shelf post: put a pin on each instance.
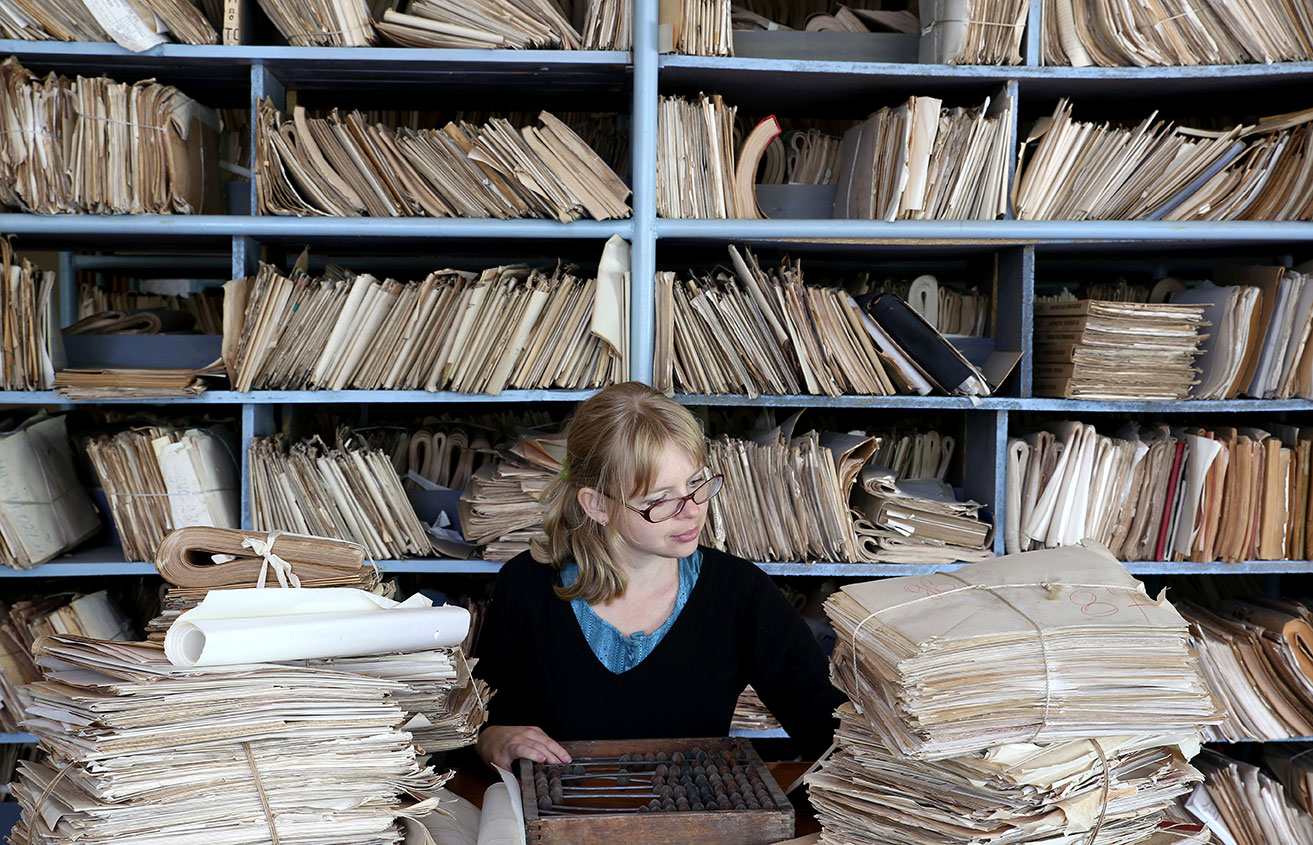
(643, 135)
(985, 474)
(257, 421)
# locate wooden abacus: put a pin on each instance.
(655, 792)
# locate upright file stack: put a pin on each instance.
(140, 750)
(502, 507)
(993, 704)
(44, 511)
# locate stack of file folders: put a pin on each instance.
(1244, 805)
(46, 510)
(503, 506)
(27, 302)
(1086, 349)
(917, 520)
(993, 704)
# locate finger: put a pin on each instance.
(555, 752)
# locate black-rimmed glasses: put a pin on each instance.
(670, 508)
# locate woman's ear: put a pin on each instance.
(594, 505)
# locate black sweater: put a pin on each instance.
(736, 629)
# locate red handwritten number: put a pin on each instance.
(929, 587)
(1093, 607)
(1142, 605)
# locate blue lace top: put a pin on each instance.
(616, 651)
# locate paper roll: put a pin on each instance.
(261, 626)
(499, 825)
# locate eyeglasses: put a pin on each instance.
(670, 508)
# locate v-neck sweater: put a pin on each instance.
(736, 629)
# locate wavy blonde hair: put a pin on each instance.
(614, 444)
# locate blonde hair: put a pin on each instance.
(615, 441)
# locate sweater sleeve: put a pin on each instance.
(502, 650)
(790, 671)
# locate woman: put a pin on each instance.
(627, 628)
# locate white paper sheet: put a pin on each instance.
(260, 626)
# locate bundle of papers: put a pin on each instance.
(44, 509)
(66, 151)
(917, 520)
(786, 495)
(1162, 494)
(205, 310)
(345, 166)
(348, 491)
(922, 161)
(608, 25)
(322, 23)
(696, 27)
(914, 453)
(160, 478)
(1001, 652)
(1117, 350)
(1215, 32)
(750, 714)
(23, 622)
(197, 559)
(975, 32)
(502, 507)
(948, 311)
(801, 157)
(137, 26)
(696, 158)
(507, 327)
(1156, 169)
(1294, 769)
(1254, 657)
(756, 331)
(1242, 805)
(1019, 792)
(27, 361)
(141, 750)
(136, 321)
(127, 383)
(480, 24)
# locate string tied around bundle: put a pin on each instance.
(264, 798)
(265, 549)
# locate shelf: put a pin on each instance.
(1000, 403)
(277, 397)
(1046, 234)
(16, 739)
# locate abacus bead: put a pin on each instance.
(662, 770)
(681, 804)
(624, 758)
(654, 804)
(662, 756)
(623, 779)
(753, 804)
(544, 803)
(577, 769)
(723, 802)
(649, 757)
(677, 757)
(739, 805)
(558, 795)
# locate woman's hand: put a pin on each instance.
(501, 745)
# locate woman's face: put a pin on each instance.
(676, 537)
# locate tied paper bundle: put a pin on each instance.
(197, 559)
(917, 520)
(136, 26)
(998, 652)
(1086, 349)
(506, 327)
(44, 510)
(30, 336)
(94, 615)
(347, 167)
(785, 495)
(96, 146)
(158, 479)
(502, 508)
(140, 750)
(1018, 792)
(348, 491)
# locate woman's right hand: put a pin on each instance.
(501, 745)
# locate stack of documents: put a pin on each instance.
(143, 750)
(22, 623)
(1081, 33)
(696, 27)
(1162, 494)
(750, 714)
(761, 331)
(480, 24)
(922, 161)
(1242, 805)
(26, 359)
(169, 310)
(1156, 169)
(994, 653)
(948, 311)
(913, 453)
(917, 520)
(1294, 769)
(1086, 349)
(696, 158)
(608, 25)
(127, 383)
(786, 495)
(44, 509)
(345, 166)
(159, 478)
(975, 32)
(801, 157)
(507, 327)
(993, 704)
(348, 491)
(163, 160)
(502, 507)
(134, 26)
(197, 559)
